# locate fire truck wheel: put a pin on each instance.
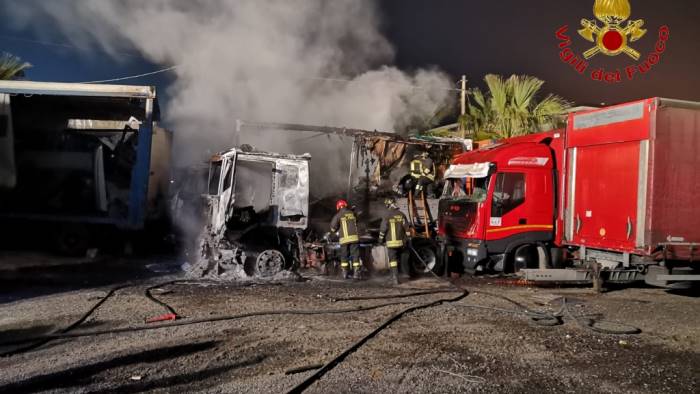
(428, 253)
(525, 256)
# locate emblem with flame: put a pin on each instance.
(612, 38)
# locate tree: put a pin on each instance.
(510, 108)
(11, 66)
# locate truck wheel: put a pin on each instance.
(526, 256)
(429, 256)
(269, 263)
(72, 240)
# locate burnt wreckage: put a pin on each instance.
(378, 168)
(245, 233)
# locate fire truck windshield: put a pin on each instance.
(466, 189)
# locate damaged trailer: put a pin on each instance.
(76, 159)
(253, 212)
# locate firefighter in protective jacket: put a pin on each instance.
(395, 232)
(345, 224)
(423, 173)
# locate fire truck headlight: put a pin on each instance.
(472, 252)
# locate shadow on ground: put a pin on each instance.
(28, 275)
(86, 374)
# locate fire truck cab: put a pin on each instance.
(492, 205)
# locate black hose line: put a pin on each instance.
(548, 319)
(44, 339)
(167, 307)
(181, 323)
(392, 296)
(594, 325)
(543, 318)
(306, 383)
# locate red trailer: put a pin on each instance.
(610, 197)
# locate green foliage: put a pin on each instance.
(510, 108)
(12, 67)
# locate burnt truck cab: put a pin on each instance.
(498, 205)
(254, 210)
(273, 187)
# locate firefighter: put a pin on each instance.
(395, 232)
(423, 173)
(345, 223)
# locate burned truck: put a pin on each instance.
(253, 212)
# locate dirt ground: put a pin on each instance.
(452, 347)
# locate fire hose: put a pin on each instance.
(42, 340)
(181, 323)
(540, 318)
(545, 318)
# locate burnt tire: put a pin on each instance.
(269, 263)
(429, 259)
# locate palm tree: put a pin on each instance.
(510, 108)
(11, 66)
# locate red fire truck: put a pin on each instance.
(612, 197)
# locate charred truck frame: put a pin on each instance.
(255, 209)
(611, 198)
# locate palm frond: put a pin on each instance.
(12, 66)
(510, 107)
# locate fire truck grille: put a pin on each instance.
(456, 217)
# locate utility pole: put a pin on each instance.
(463, 100)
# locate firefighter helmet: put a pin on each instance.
(340, 204)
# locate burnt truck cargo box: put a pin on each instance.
(632, 179)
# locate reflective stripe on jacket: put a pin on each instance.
(394, 228)
(423, 168)
(345, 222)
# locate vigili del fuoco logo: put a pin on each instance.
(615, 35)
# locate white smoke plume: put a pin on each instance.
(257, 60)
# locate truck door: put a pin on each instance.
(522, 205)
(221, 192)
(291, 193)
(605, 195)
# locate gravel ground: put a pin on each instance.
(452, 347)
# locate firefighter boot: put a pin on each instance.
(394, 270)
(395, 276)
(405, 271)
(345, 269)
(357, 270)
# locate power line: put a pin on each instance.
(134, 76)
(340, 80)
(71, 46)
(63, 45)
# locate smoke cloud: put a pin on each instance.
(260, 60)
